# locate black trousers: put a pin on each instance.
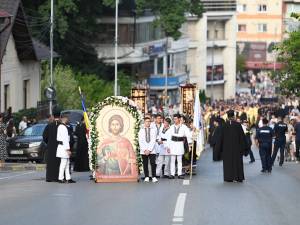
(297, 149)
(152, 158)
(278, 145)
(265, 155)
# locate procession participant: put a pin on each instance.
(280, 129)
(232, 146)
(216, 138)
(64, 151)
(82, 155)
(246, 129)
(147, 140)
(263, 138)
(164, 152)
(177, 134)
(49, 137)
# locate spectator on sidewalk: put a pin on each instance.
(23, 124)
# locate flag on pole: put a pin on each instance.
(198, 124)
(85, 115)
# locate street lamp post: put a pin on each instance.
(51, 53)
(116, 48)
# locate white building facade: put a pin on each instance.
(212, 49)
(20, 80)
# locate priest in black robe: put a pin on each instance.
(82, 154)
(232, 146)
(216, 136)
(52, 162)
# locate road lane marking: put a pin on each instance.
(179, 209)
(18, 175)
(179, 219)
(186, 182)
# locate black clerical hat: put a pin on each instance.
(230, 113)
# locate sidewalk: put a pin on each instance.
(22, 167)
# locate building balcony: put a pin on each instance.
(216, 43)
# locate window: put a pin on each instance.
(262, 8)
(242, 8)
(242, 27)
(262, 27)
(6, 96)
(26, 93)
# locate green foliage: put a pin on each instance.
(65, 85)
(240, 63)
(289, 54)
(67, 81)
(202, 96)
(171, 14)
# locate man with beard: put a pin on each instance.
(232, 146)
(49, 137)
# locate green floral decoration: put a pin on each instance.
(131, 107)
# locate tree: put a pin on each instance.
(171, 14)
(289, 54)
(240, 63)
(65, 85)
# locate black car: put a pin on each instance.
(28, 145)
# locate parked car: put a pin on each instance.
(28, 145)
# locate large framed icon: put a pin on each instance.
(114, 144)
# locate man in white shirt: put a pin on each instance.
(147, 141)
(23, 124)
(177, 134)
(63, 151)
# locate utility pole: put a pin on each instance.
(116, 48)
(51, 54)
(213, 64)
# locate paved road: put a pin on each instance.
(25, 199)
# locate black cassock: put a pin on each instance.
(49, 137)
(214, 139)
(82, 155)
(232, 145)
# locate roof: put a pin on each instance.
(19, 29)
(4, 14)
(42, 51)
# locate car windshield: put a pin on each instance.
(35, 130)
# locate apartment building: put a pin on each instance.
(289, 23)
(212, 49)
(156, 62)
(259, 27)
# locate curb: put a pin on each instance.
(22, 167)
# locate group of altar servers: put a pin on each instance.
(163, 144)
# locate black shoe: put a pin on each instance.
(252, 161)
(181, 177)
(71, 181)
(230, 181)
(166, 177)
(171, 177)
(239, 181)
(280, 165)
(263, 171)
(61, 181)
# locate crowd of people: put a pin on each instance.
(9, 130)
(271, 127)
